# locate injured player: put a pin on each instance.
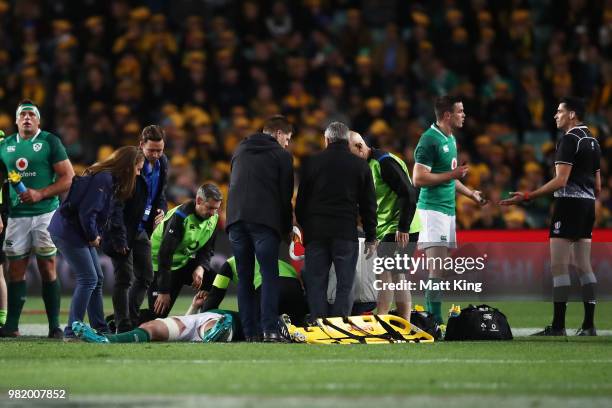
(211, 326)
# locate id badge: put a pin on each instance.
(147, 212)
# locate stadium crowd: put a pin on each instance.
(210, 72)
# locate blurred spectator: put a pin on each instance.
(101, 72)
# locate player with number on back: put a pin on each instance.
(437, 174)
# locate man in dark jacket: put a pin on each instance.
(335, 188)
(127, 237)
(259, 215)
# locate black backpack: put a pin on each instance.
(481, 322)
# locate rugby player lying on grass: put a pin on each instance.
(212, 326)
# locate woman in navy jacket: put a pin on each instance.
(77, 225)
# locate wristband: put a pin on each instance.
(526, 196)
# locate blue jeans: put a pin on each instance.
(249, 241)
(318, 260)
(87, 294)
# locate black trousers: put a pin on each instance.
(133, 276)
(318, 260)
(291, 301)
(179, 278)
(250, 241)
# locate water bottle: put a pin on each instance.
(16, 182)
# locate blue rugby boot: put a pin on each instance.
(221, 332)
(87, 334)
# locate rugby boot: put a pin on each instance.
(550, 331)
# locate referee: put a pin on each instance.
(576, 185)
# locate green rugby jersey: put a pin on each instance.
(437, 152)
(33, 159)
(387, 200)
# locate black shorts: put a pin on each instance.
(572, 218)
(388, 247)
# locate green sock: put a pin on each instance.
(2, 317)
(137, 335)
(16, 299)
(433, 300)
(51, 297)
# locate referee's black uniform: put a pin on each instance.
(574, 206)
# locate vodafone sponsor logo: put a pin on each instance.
(21, 164)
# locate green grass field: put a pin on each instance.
(525, 372)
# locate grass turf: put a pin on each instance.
(526, 371)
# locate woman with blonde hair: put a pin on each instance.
(77, 225)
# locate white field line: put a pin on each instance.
(360, 361)
(376, 361)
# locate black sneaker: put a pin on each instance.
(5, 333)
(586, 332)
(550, 331)
(56, 333)
(110, 322)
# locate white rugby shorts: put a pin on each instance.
(438, 230)
(26, 233)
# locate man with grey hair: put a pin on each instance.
(398, 223)
(336, 188)
(182, 246)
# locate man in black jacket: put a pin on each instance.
(335, 188)
(127, 237)
(259, 215)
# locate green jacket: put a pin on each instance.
(179, 238)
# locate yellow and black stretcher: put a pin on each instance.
(367, 329)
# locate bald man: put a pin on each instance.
(398, 223)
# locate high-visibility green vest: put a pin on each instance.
(388, 211)
(196, 234)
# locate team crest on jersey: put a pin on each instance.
(37, 146)
(21, 163)
(445, 148)
(10, 149)
(557, 227)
